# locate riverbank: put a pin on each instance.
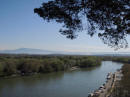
(31, 74)
(74, 68)
(77, 83)
(122, 87)
(106, 89)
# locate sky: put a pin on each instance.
(21, 28)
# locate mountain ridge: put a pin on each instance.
(26, 51)
(40, 51)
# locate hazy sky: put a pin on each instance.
(21, 28)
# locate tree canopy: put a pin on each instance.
(32, 64)
(112, 17)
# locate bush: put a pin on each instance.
(29, 66)
(89, 62)
(9, 68)
(1, 69)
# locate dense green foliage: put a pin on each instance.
(126, 78)
(89, 62)
(122, 59)
(123, 87)
(29, 64)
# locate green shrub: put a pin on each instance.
(9, 68)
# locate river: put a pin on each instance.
(76, 83)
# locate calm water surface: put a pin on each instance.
(76, 83)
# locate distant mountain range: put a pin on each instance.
(28, 51)
(46, 52)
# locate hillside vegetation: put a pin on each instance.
(122, 89)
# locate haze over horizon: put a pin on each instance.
(46, 52)
(21, 28)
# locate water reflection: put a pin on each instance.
(31, 80)
(76, 83)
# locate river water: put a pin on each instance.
(76, 83)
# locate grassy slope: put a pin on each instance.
(126, 78)
(122, 88)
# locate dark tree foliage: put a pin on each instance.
(110, 16)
